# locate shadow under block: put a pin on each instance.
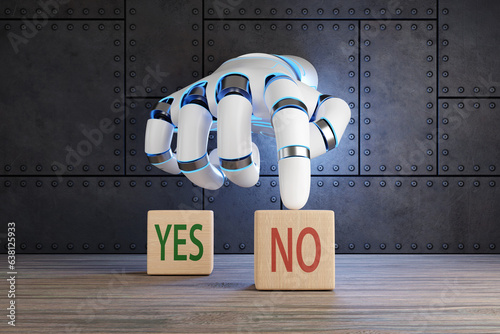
(180, 242)
(294, 250)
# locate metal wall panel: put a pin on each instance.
(62, 105)
(398, 99)
(411, 214)
(468, 139)
(69, 66)
(164, 46)
(89, 214)
(43, 10)
(468, 52)
(234, 209)
(318, 9)
(331, 47)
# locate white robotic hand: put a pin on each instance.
(250, 93)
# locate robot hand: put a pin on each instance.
(251, 93)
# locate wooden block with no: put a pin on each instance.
(294, 250)
(180, 242)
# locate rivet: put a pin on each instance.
(445, 11)
(336, 183)
(398, 27)
(273, 11)
(133, 183)
(133, 246)
(336, 246)
(445, 27)
(289, 11)
(430, 27)
(383, 27)
(492, 89)
(226, 26)
(351, 183)
(445, 74)
(445, 120)
(429, 42)
(164, 183)
(429, 246)
(211, 42)
(445, 152)
(492, 105)
(70, 183)
(367, 121)
(445, 89)
(429, 74)
(101, 168)
(86, 11)
(367, 183)
(352, 246)
(352, 42)
(85, 246)
(461, 246)
(367, 105)
(336, 168)
(414, 183)
(351, 58)
(258, 184)
(351, 152)
(476, 105)
(273, 183)
(367, 43)
(414, 27)
(273, 199)
(492, 168)
(398, 183)
(273, 168)
(38, 183)
(117, 246)
(70, 246)
(274, 27)
(352, 105)
(226, 11)
(132, 42)
(7, 183)
(398, 11)
(148, 184)
(429, 183)
(383, 183)
(382, 168)
(477, 246)
(242, 246)
(305, 27)
(445, 58)
(476, 183)
(101, 246)
(117, 183)
(429, 105)
(54, 184)
(445, 183)
(85, 183)
(492, 246)
(492, 183)
(304, 11)
(367, 27)
(351, 168)
(382, 11)
(414, 11)
(320, 168)
(414, 246)
(367, 89)
(39, 246)
(429, 152)
(133, 168)
(320, 183)
(398, 246)
(367, 136)
(367, 11)
(367, 152)
(460, 105)
(351, 90)
(367, 246)
(445, 168)
(101, 184)
(367, 74)
(24, 183)
(477, 168)
(429, 136)
(211, 199)
(461, 183)
(445, 246)
(227, 246)
(195, 27)
(398, 168)
(429, 11)
(211, 11)
(382, 246)
(336, 27)
(258, 27)
(351, 11)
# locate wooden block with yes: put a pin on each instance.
(294, 250)
(180, 242)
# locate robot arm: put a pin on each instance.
(277, 89)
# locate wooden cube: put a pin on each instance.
(294, 250)
(180, 242)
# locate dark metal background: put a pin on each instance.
(416, 172)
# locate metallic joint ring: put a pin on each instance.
(294, 151)
(191, 166)
(327, 133)
(160, 158)
(235, 164)
(234, 84)
(287, 103)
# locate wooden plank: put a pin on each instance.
(180, 242)
(294, 250)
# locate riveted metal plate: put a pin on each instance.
(469, 65)
(164, 46)
(331, 47)
(62, 103)
(317, 9)
(468, 137)
(410, 210)
(89, 210)
(43, 10)
(234, 209)
(398, 98)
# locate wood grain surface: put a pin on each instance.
(373, 294)
(294, 250)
